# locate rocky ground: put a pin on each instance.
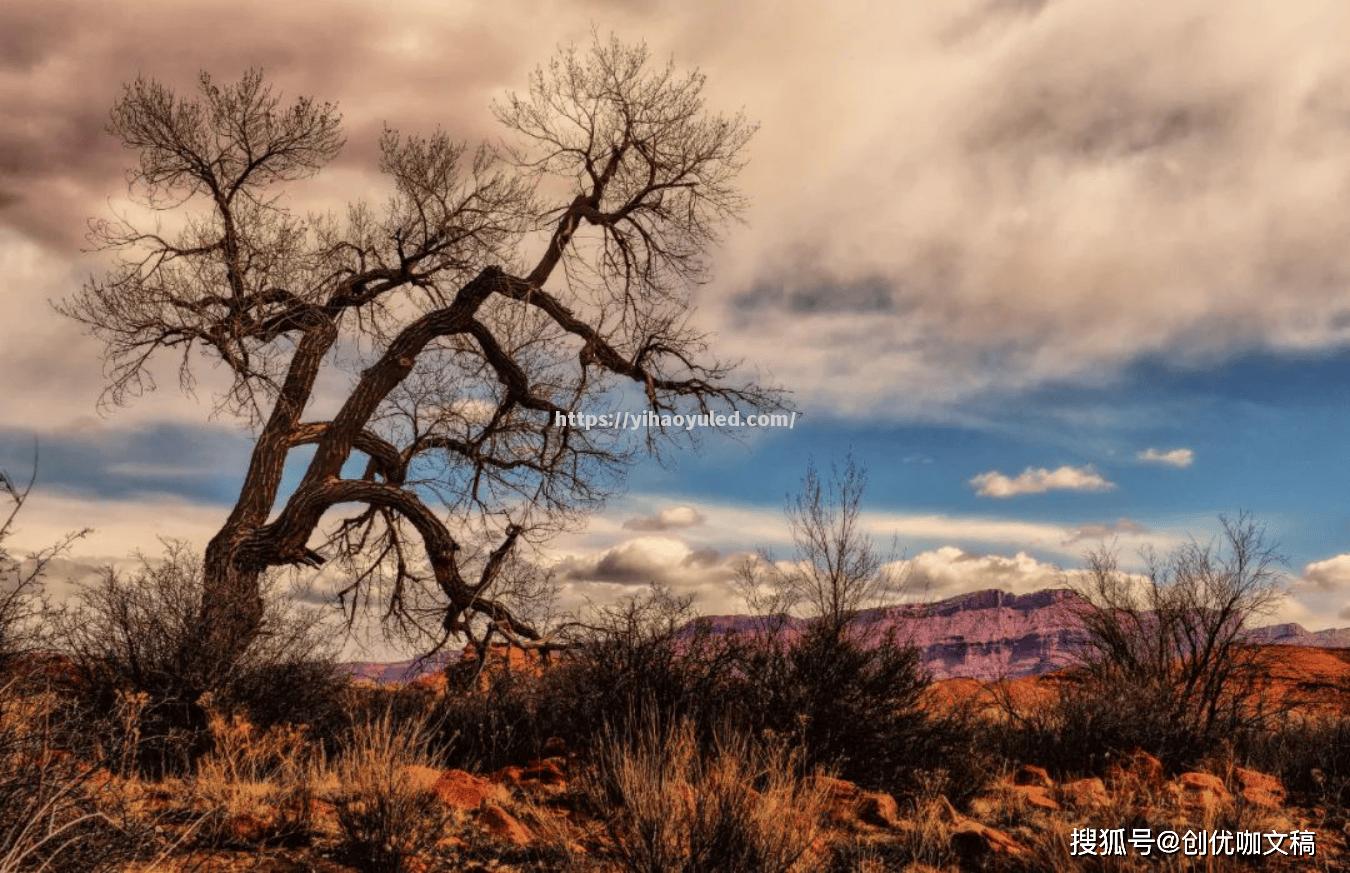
(534, 817)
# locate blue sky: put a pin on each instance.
(1266, 432)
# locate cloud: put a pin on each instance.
(1106, 531)
(619, 570)
(733, 527)
(644, 560)
(1170, 457)
(949, 571)
(119, 526)
(1320, 594)
(1329, 575)
(1038, 480)
(1030, 204)
(671, 518)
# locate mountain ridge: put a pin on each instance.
(986, 634)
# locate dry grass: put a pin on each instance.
(386, 815)
(671, 807)
(255, 786)
(56, 811)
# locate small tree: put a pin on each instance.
(835, 570)
(1166, 658)
(851, 700)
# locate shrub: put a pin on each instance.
(21, 632)
(844, 701)
(1165, 666)
(1311, 755)
(51, 814)
(488, 727)
(668, 806)
(856, 706)
(639, 661)
(643, 660)
(386, 813)
(140, 635)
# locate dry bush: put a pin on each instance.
(139, 634)
(387, 816)
(503, 721)
(55, 810)
(668, 806)
(856, 706)
(1311, 755)
(637, 661)
(1165, 666)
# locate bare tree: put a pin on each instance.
(836, 569)
(1172, 644)
(497, 289)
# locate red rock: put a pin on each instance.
(1202, 790)
(837, 789)
(1085, 793)
(504, 826)
(1030, 774)
(1138, 770)
(841, 798)
(460, 790)
(1259, 789)
(974, 840)
(847, 805)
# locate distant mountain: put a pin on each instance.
(982, 635)
(397, 672)
(1297, 635)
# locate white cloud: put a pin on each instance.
(617, 571)
(732, 527)
(948, 571)
(1319, 597)
(1329, 575)
(1038, 480)
(1169, 457)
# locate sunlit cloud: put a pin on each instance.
(1168, 458)
(1038, 480)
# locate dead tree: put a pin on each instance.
(497, 288)
(836, 569)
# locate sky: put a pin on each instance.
(1055, 272)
